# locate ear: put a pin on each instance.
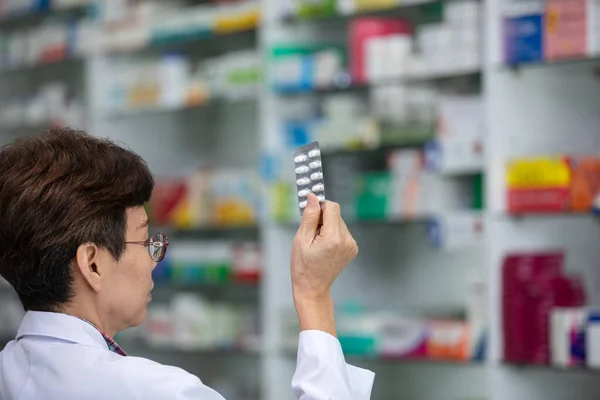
(87, 261)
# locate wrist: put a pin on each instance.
(316, 313)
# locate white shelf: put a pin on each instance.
(11, 20)
(139, 112)
(31, 68)
(427, 77)
(384, 10)
(196, 352)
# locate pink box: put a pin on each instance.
(565, 29)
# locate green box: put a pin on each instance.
(373, 194)
(308, 9)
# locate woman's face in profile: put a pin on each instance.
(128, 286)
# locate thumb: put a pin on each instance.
(311, 217)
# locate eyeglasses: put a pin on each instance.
(157, 246)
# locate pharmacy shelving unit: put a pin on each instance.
(396, 268)
(65, 74)
(537, 110)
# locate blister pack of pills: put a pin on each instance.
(309, 174)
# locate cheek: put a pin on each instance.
(134, 274)
(141, 272)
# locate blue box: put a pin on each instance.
(524, 39)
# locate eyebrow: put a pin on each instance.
(143, 224)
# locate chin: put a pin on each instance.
(139, 318)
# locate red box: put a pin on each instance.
(518, 271)
(167, 197)
(537, 200)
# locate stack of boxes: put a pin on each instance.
(175, 81)
(546, 320)
(408, 190)
(206, 199)
(24, 7)
(191, 322)
(536, 31)
(212, 263)
(384, 49)
(304, 67)
(534, 285)
(125, 25)
(553, 184)
(378, 48)
(454, 44)
(404, 334)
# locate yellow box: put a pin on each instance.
(237, 22)
(541, 172)
(366, 5)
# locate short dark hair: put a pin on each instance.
(59, 190)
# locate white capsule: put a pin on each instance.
(316, 176)
(319, 187)
(303, 181)
(303, 193)
(303, 204)
(302, 170)
(300, 158)
(321, 198)
(314, 153)
(315, 164)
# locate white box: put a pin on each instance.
(593, 22)
(460, 140)
(566, 324)
(399, 50)
(592, 339)
(376, 59)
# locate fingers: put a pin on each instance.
(332, 216)
(310, 217)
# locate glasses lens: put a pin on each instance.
(158, 246)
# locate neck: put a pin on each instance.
(90, 314)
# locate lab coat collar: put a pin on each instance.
(61, 327)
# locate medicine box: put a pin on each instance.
(524, 38)
(592, 339)
(566, 30)
(364, 29)
(373, 196)
(567, 336)
(459, 142)
(518, 271)
(404, 337)
(449, 340)
(540, 184)
(585, 184)
(593, 24)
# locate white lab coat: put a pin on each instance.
(59, 357)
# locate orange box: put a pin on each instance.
(585, 183)
(449, 340)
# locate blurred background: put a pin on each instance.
(460, 137)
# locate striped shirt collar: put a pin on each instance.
(110, 341)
